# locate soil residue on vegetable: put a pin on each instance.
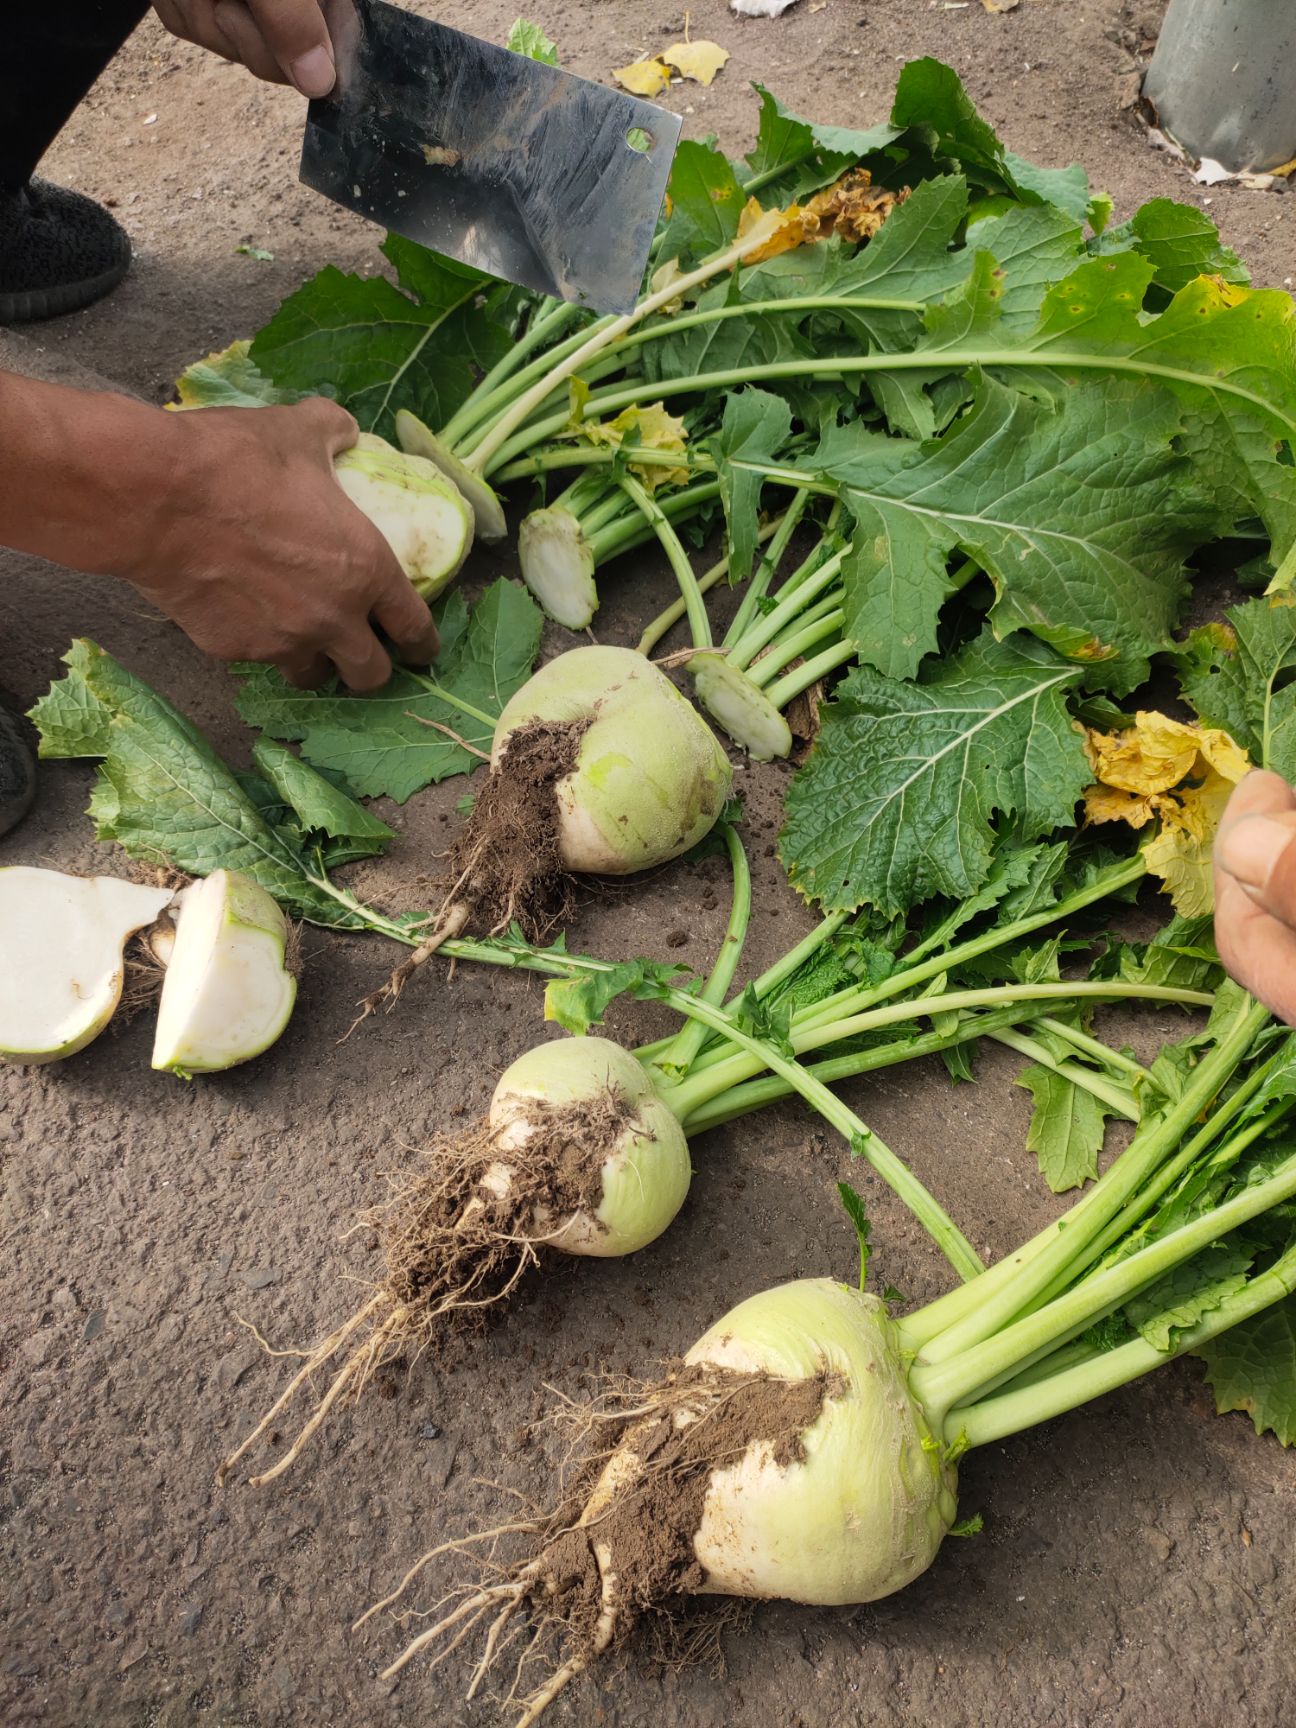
(506, 862)
(458, 1236)
(605, 1567)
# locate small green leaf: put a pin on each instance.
(1066, 1128)
(1191, 1291)
(577, 1004)
(529, 39)
(1252, 1367)
(1239, 676)
(854, 1208)
(972, 1526)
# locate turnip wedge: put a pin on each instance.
(598, 767)
(229, 990)
(577, 1155)
(63, 940)
(421, 514)
(806, 1446)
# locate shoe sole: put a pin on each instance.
(34, 305)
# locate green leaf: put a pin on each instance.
(787, 146)
(1241, 676)
(1178, 241)
(319, 806)
(378, 743)
(1066, 1128)
(972, 1526)
(1082, 514)
(1068, 188)
(1189, 1293)
(931, 104)
(577, 1004)
(162, 792)
(756, 425)
(896, 800)
(854, 1208)
(374, 349)
(529, 39)
(768, 1019)
(706, 202)
(1252, 1367)
(228, 379)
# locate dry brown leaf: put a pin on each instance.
(852, 208)
(699, 61)
(643, 77)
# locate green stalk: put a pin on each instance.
(767, 567)
(893, 1171)
(790, 605)
(515, 416)
(941, 1387)
(557, 314)
(634, 530)
(949, 1327)
(788, 648)
(1096, 1048)
(706, 1081)
(692, 1035)
(1012, 1411)
(860, 365)
(444, 695)
(755, 1094)
(793, 683)
(665, 621)
(1115, 1097)
(677, 557)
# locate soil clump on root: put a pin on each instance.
(618, 1552)
(505, 864)
(457, 1236)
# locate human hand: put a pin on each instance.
(1255, 890)
(282, 41)
(250, 544)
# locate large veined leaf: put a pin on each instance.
(387, 743)
(1241, 677)
(376, 349)
(166, 797)
(1228, 354)
(1066, 1128)
(1178, 241)
(896, 800)
(755, 427)
(1080, 512)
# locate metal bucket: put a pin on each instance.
(1223, 81)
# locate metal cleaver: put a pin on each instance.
(483, 155)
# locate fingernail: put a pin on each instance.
(1252, 847)
(314, 73)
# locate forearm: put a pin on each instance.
(85, 474)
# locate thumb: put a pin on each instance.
(295, 33)
(1259, 851)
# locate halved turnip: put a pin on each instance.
(229, 991)
(423, 516)
(416, 439)
(62, 942)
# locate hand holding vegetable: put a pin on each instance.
(233, 523)
(1255, 891)
(282, 41)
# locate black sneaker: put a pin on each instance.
(59, 251)
(17, 769)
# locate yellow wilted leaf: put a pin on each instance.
(1152, 755)
(644, 77)
(697, 60)
(851, 208)
(1180, 855)
(1181, 774)
(656, 429)
(1112, 804)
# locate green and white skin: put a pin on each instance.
(858, 1506)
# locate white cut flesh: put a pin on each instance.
(61, 957)
(740, 707)
(558, 567)
(423, 517)
(416, 439)
(228, 992)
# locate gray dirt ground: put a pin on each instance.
(1136, 1564)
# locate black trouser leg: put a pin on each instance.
(51, 52)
